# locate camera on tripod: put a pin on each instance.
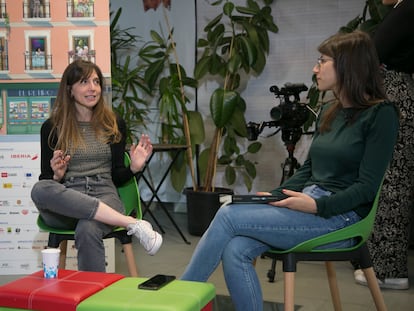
(290, 115)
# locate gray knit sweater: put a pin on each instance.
(92, 160)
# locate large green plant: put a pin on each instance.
(235, 47)
(167, 82)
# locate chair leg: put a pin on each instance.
(129, 256)
(374, 288)
(289, 291)
(62, 257)
(333, 285)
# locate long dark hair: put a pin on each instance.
(357, 69)
(63, 117)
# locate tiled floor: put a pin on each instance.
(311, 289)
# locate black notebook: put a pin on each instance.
(251, 198)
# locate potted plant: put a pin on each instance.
(235, 47)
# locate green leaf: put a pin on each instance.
(157, 38)
(222, 106)
(228, 8)
(230, 174)
(213, 22)
(203, 162)
(202, 67)
(249, 49)
(234, 63)
(153, 72)
(254, 147)
(238, 122)
(260, 63)
(250, 168)
(248, 182)
(216, 64)
(196, 125)
(178, 174)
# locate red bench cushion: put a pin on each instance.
(34, 292)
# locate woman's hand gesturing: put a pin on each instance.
(59, 164)
(140, 153)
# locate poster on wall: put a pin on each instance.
(19, 238)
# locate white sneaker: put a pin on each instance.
(150, 239)
(389, 283)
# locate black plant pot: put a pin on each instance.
(202, 206)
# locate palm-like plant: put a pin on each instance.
(127, 84)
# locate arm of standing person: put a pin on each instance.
(394, 37)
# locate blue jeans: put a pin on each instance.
(72, 206)
(239, 233)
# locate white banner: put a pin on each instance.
(20, 239)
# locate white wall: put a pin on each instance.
(303, 24)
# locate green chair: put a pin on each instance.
(129, 194)
(308, 251)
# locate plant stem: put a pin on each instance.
(186, 127)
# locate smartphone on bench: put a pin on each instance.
(156, 282)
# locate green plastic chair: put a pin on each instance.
(129, 194)
(307, 251)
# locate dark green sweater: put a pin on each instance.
(350, 160)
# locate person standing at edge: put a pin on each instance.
(334, 188)
(82, 161)
(389, 243)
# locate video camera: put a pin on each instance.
(290, 115)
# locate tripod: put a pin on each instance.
(289, 167)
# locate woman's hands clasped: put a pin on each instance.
(140, 153)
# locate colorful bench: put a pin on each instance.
(95, 291)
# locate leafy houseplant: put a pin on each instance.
(235, 46)
(127, 82)
(168, 81)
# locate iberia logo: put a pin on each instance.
(24, 156)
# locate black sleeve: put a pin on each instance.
(394, 38)
(120, 173)
(46, 152)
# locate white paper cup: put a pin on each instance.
(50, 258)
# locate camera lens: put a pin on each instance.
(276, 113)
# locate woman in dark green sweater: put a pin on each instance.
(334, 188)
